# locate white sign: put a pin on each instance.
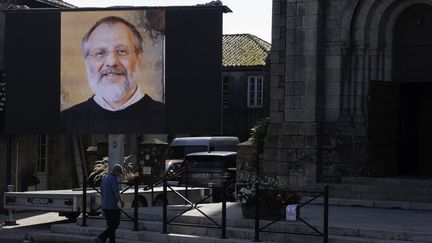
(146, 170)
(292, 211)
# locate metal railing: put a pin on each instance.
(184, 171)
(317, 194)
(175, 175)
(194, 206)
(169, 176)
(133, 218)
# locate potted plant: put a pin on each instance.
(100, 170)
(272, 201)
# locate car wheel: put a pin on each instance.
(142, 202)
(158, 202)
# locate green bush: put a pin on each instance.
(258, 133)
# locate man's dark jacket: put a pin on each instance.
(145, 116)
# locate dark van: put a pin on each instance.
(211, 169)
(180, 147)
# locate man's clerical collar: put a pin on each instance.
(134, 99)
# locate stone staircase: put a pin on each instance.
(239, 229)
(401, 193)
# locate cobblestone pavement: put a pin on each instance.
(28, 222)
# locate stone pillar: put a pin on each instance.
(115, 150)
(291, 142)
(281, 36)
(246, 162)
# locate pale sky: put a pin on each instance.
(248, 16)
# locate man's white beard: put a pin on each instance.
(109, 91)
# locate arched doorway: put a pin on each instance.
(412, 71)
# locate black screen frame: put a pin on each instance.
(193, 69)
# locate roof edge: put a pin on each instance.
(57, 3)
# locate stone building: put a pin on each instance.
(246, 83)
(350, 84)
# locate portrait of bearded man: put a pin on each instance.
(113, 53)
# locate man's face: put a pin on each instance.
(112, 62)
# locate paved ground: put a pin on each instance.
(353, 217)
(28, 222)
(10, 241)
(374, 218)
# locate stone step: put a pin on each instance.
(346, 239)
(232, 224)
(155, 213)
(147, 236)
(371, 188)
(391, 181)
(100, 222)
(380, 192)
(247, 231)
(49, 237)
(187, 219)
(75, 234)
(197, 231)
(373, 203)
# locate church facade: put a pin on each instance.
(350, 92)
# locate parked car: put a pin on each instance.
(211, 169)
(180, 147)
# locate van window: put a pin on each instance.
(180, 152)
(230, 148)
(214, 161)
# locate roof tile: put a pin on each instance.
(244, 50)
